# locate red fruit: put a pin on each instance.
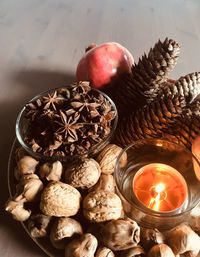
(104, 63)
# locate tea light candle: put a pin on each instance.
(160, 187)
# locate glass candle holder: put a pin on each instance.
(68, 113)
(159, 185)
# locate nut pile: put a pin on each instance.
(68, 121)
(75, 207)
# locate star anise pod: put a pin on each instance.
(68, 126)
(51, 100)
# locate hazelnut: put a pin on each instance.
(86, 245)
(60, 199)
(107, 158)
(83, 174)
(62, 229)
(99, 206)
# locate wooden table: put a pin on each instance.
(41, 42)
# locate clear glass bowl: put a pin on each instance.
(173, 156)
(22, 125)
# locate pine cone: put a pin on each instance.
(146, 78)
(155, 118)
(184, 131)
(187, 127)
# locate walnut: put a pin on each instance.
(26, 165)
(38, 225)
(150, 237)
(99, 206)
(62, 229)
(17, 210)
(51, 171)
(60, 199)
(135, 251)
(107, 158)
(86, 246)
(106, 182)
(83, 174)
(160, 250)
(182, 239)
(120, 234)
(104, 252)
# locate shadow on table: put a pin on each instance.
(29, 83)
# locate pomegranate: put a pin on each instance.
(103, 64)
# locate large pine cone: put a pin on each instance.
(142, 84)
(187, 127)
(155, 118)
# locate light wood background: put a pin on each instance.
(41, 42)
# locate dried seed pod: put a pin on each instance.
(99, 206)
(83, 174)
(106, 182)
(86, 245)
(147, 76)
(150, 237)
(161, 250)
(107, 158)
(26, 165)
(153, 119)
(183, 239)
(62, 229)
(120, 234)
(51, 171)
(38, 225)
(104, 252)
(17, 210)
(136, 251)
(60, 199)
(29, 187)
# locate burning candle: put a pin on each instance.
(160, 187)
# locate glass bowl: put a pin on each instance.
(159, 184)
(47, 116)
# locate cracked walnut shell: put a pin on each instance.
(99, 206)
(60, 199)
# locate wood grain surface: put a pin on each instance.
(41, 42)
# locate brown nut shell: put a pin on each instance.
(60, 199)
(86, 245)
(83, 174)
(120, 234)
(64, 228)
(106, 182)
(107, 158)
(99, 206)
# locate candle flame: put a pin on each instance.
(155, 201)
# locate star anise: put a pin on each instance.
(51, 100)
(68, 127)
(85, 104)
